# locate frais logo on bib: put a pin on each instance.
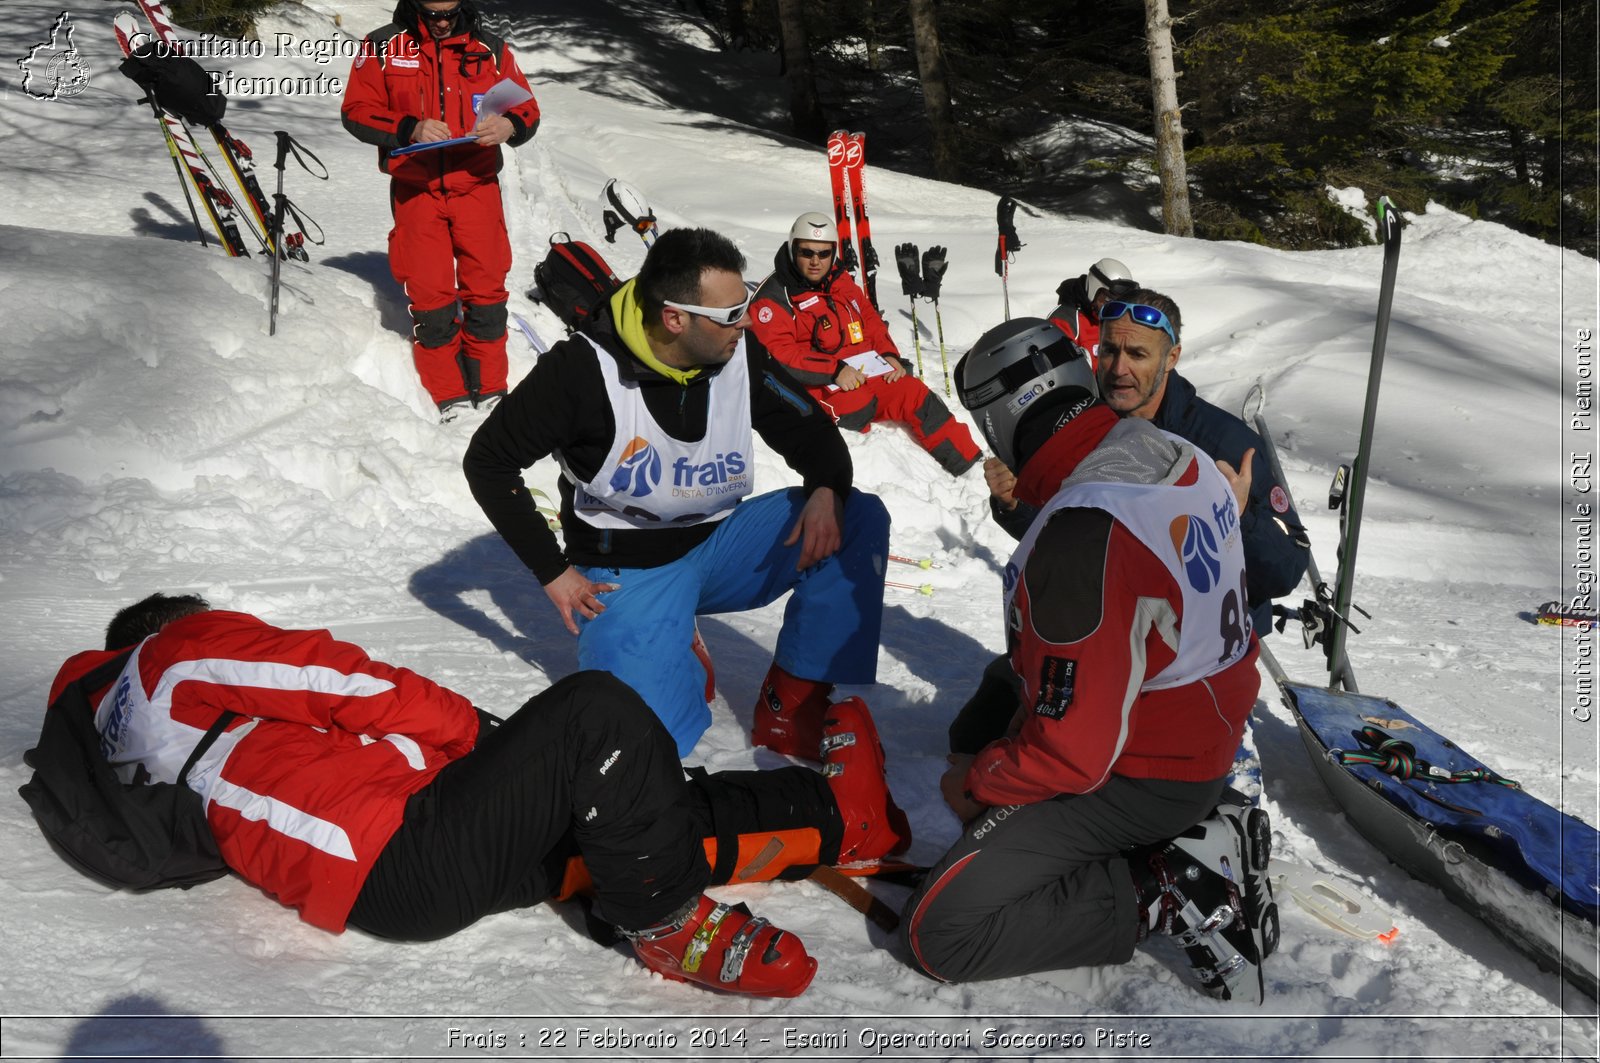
(726, 474)
(638, 470)
(1197, 547)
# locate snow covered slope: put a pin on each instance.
(152, 436)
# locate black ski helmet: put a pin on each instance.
(1025, 364)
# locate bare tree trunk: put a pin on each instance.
(935, 89)
(1169, 121)
(874, 59)
(805, 109)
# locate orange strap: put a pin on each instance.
(763, 856)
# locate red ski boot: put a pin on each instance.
(852, 759)
(727, 948)
(789, 713)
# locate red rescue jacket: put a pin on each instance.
(403, 75)
(305, 790)
(813, 329)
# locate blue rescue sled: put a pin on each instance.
(1529, 871)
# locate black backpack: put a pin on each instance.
(572, 280)
(178, 84)
(142, 836)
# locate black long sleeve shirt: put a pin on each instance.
(562, 405)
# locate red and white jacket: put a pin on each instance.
(813, 329)
(1099, 635)
(306, 788)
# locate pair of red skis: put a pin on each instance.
(847, 170)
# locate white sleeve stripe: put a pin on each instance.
(285, 819)
(265, 675)
(409, 749)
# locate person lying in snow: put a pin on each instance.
(366, 795)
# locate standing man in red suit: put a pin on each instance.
(420, 80)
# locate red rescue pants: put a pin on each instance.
(909, 402)
(445, 248)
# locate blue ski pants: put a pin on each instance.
(830, 626)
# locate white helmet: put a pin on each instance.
(813, 225)
(1109, 273)
(1009, 371)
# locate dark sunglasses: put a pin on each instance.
(1040, 361)
(1148, 316)
(448, 13)
(811, 252)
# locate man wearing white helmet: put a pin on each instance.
(813, 317)
(1094, 820)
(1082, 297)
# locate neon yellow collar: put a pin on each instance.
(629, 320)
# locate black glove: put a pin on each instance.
(1008, 242)
(1073, 292)
(933, 266)
(905, 256)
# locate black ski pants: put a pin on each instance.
(583, 768)
(1045, 887)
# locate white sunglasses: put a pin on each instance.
(726, 316)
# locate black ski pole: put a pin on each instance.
(934, 263)
(1008, 245)
(293, 246)
(905, 258)
(279, 200)
(177, 166)
(1338, 663)
(183, 181)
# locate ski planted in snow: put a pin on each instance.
(856, 162)
(218, 204)
(1349, 503)
(237, 155)
(839, 177)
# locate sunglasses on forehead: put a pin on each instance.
(449, 12)
(726, 316)
(1148, 316)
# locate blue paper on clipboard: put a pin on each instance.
(429, 145)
